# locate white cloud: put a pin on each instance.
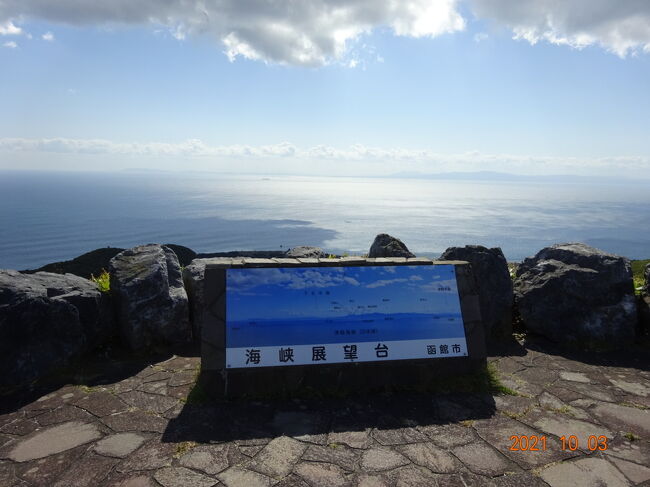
(286, 157)
(10, 45)
(308, 33)
(435, 286)
(385, 282)
(7, 28)
(480, 36)
(622, 27)
(48, 36)
(295, 279)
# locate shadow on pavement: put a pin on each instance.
(105, 366)
(223, 421)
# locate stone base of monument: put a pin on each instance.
(362, 341)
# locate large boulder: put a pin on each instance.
(643, 306)
(86, 265)
(150, 299)
(46, 320)
(255, 254)
(185, 254)
(193, 276)
(575, 294)
(387, 246)
(304, 252)
(490, 270)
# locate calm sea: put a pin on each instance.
(48, 217)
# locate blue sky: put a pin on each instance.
(543, 88)
(326, 292)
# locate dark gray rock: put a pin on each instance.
(193, 276)
(86, 265)
(185, 254)
(646, 275)
(643, 307)
(387, 246)
(573, 293)
(151, 302)
(255, 254)
(490, 270)
(305, 252)
(46, 320)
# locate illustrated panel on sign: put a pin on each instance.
(327, 315)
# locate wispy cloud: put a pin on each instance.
(48, 36)
(10, 45)
(480, 37)
(295, 279)
(385, 282)
(7, 28)
(382, 159)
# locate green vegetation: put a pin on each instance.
(183, 447)
(631, 436)
(198, 395)
(494, 383)
(512, 269)
(638, 266)
(103, 281)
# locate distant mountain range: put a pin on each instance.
(504, 176)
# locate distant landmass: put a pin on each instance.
(504, 176)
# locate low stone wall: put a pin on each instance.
(220, 381)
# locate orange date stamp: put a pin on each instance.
(570, 443)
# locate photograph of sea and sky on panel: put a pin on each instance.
(340, 304)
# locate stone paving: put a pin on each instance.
(133, 426)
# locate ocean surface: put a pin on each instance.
(343, 329)
(48, 217)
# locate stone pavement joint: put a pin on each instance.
(137, 428)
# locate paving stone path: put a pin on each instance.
(140, 430)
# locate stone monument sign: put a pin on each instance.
(280, 324)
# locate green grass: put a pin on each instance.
(197, 395)
(103, 281)
(631, 436)
(183, 447)
(638, 266)
(494, 383)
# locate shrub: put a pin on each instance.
(103, 281)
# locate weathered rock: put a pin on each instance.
(193, 276)
(185, 254)
(643, 307)
(490, 270)
(46, 320)
(646, 275)
(573, 293)
(387, 246)
(305, 252)
(86, 265)
(151, 302)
